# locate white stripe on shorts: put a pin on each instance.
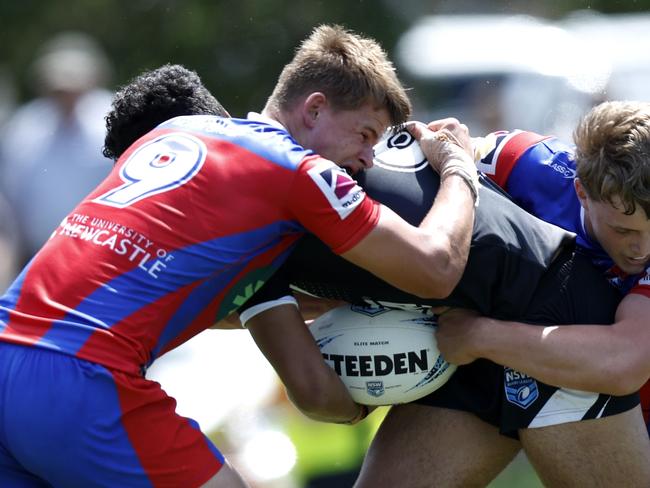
(566, 405)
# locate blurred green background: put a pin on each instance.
(238, 46)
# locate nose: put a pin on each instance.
(367, 156)
(645, 245)
(642, 246)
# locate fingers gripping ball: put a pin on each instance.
(383, 356)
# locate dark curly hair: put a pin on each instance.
(152, 98)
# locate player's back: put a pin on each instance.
(510, 249)
(161, 249)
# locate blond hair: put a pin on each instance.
(349, 69)
(613, 154)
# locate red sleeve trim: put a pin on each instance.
(511, 151)
(363, 231)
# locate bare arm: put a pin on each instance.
(311, 384)
(608, 359)
(428, 260)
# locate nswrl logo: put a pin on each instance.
(375, 388)
(521, 389)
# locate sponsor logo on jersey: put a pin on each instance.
(562, 168)
(521, 389)
(400, 152)
(341, 191)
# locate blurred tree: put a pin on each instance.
(238, 47)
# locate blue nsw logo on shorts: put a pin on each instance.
(521, 389)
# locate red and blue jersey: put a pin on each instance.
(193, 218)
(538, 172)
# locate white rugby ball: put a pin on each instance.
(384, 356)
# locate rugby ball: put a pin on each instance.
(384, 356)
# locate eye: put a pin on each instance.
(622, 232)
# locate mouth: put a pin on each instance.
(352, 170)
(637, 263)
(641, 259)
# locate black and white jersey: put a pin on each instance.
(510, 248)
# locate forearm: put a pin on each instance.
(584, 357)
(311, 384)
(451, 218)
(332, 403)
(451, 221)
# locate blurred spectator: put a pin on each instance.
(8, 245)
(7, 93)
(50, 149)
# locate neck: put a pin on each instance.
(288, 120)
(586, 222)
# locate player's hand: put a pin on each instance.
(456, 130)
(458, 335)
(364, 411)
(444, 143)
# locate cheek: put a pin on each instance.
(616, 243)
(345, 145)
(607, 238)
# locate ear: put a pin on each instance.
(312, 107)
(581, 193)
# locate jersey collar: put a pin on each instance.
(258, 117)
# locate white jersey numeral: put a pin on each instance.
(159, 166)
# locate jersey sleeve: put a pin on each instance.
(273, 293)
(536, 171)
(329, 203)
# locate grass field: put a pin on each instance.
(519, 474)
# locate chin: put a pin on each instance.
(633, 269)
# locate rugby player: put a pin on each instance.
(486, 412)
(510, 252)
(191, 216)
(600, 190)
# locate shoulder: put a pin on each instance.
(500, 152)
(261, 139)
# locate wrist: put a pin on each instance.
(361, 414)
(490, 334)
(469, 175)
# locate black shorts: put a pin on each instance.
(572, 292)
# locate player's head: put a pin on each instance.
(150, 99)
(338, 95)
(613, 184)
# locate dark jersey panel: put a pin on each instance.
(510, 251)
